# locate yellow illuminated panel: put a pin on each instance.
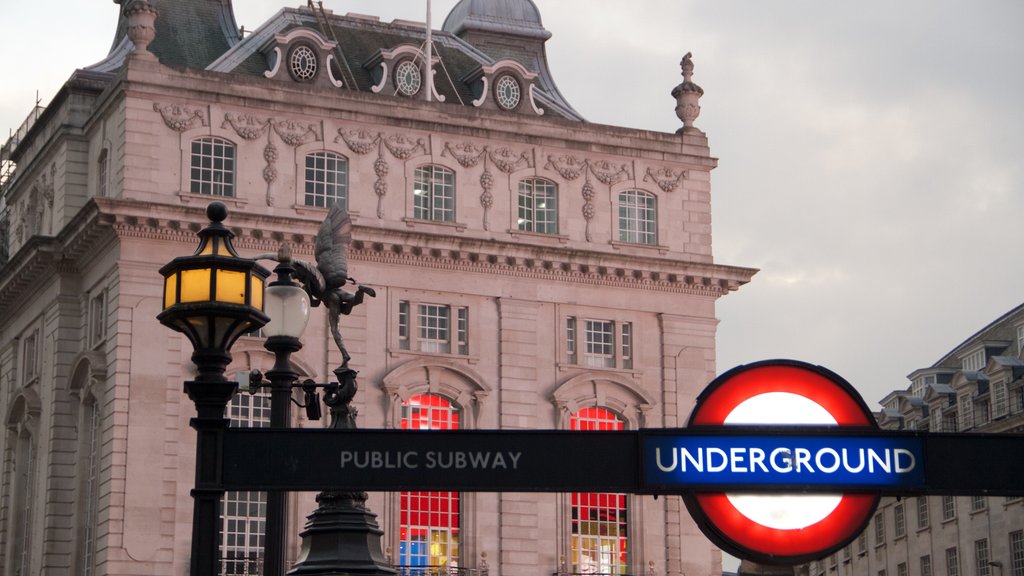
(170, 289)
(195, 285)
(231, 286)
(257, 292)
(208, 249)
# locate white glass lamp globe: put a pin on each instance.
(288, 308)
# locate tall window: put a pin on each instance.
(880, 528)
(975, 361)
(966, 407)
(30, 356)
(638, 217)
(948, 507)
(326, 180)
(433, 328)
(24, 492)
(926, 565)
(434, 194)
(1017, 553)
(244, 513)
(213, 167)
(98, 319)
(538, 206)
(978, 503)
(89, 467)
(901, 569)
(429, 521)
(899, 521)
(952, 562)
(102, 173)
(1000, 407)
(922, 512)
(981, 557)
(599, 343)
(600, 539)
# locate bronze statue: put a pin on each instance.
(323, 281)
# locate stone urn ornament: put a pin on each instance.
(687, 96)
(141, 26)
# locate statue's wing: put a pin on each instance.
(332, 242)
(310, 277)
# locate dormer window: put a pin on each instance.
(975, 361)
(507, 92)
(303, 63)
(408, 79)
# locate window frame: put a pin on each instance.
(434, 201)
(584, 350)
(228, 167)
(413, 336)
(242, 532)
(532, 191)
(318, 176)
(635, 228)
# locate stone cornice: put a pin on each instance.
(439, 251)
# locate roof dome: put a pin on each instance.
(517, 17)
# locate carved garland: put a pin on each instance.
(666, 178)
(468, 155)
(402, 147)
(179, 117)
(570, 168)
(292, 133)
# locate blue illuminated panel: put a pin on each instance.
(760, 461)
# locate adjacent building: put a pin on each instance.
(532, 270)
(976, 387)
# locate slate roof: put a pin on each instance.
(189, 34)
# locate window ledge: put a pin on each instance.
(560, 238)
(565, 366)
(398, 352)
(188, 198)
(949, 520)
(618, 245)
(924, 529)
(305, 210)
(414, 222)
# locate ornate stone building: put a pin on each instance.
(533, 270)
(976, 387)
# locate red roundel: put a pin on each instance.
(781, 529)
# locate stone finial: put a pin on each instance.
(141, 26)
(687, 96)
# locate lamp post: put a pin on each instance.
(287, 304)
(212, 297)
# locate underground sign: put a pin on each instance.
(784, 528)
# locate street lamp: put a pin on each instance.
(287, 304)
(212, 297)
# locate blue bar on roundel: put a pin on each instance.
(751, 461)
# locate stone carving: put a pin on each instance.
(179, 117)
(295, 133)
(247, 126)
(400, 146)
(571, 168)
(506, 160)
(141, 27)
(666, 178)
(469, 155)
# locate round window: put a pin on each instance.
(302, 63)
(408, 78)
(507, 92)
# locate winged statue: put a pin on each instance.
(323, 281)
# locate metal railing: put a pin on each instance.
(242, 565)
(440, 571)
(7, 166)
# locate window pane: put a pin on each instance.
(538, 206)
(434, 194)
(637, 217)
(212, 167)
(326, 180)
(600, 527)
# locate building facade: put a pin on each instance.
(532, 270)
(976, 387)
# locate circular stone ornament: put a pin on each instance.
(507, 92)
(303, 63)
(408, 78)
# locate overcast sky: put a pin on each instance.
(870, 152)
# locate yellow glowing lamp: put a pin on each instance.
(213, 296)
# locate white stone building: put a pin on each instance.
(533, 270)
(976, 387)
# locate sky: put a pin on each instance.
(869, 152)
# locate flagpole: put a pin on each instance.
(430, 56)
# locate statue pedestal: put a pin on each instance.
(342, 537)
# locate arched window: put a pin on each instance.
(638, 217)
(326, 180)
(538, 206)
(600, 529)
(244, 513)
(213, 167)
(429, 521)
(89, 480)
(22, 425)
(434, 194)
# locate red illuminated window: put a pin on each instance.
(599, 520)
(429, 525)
